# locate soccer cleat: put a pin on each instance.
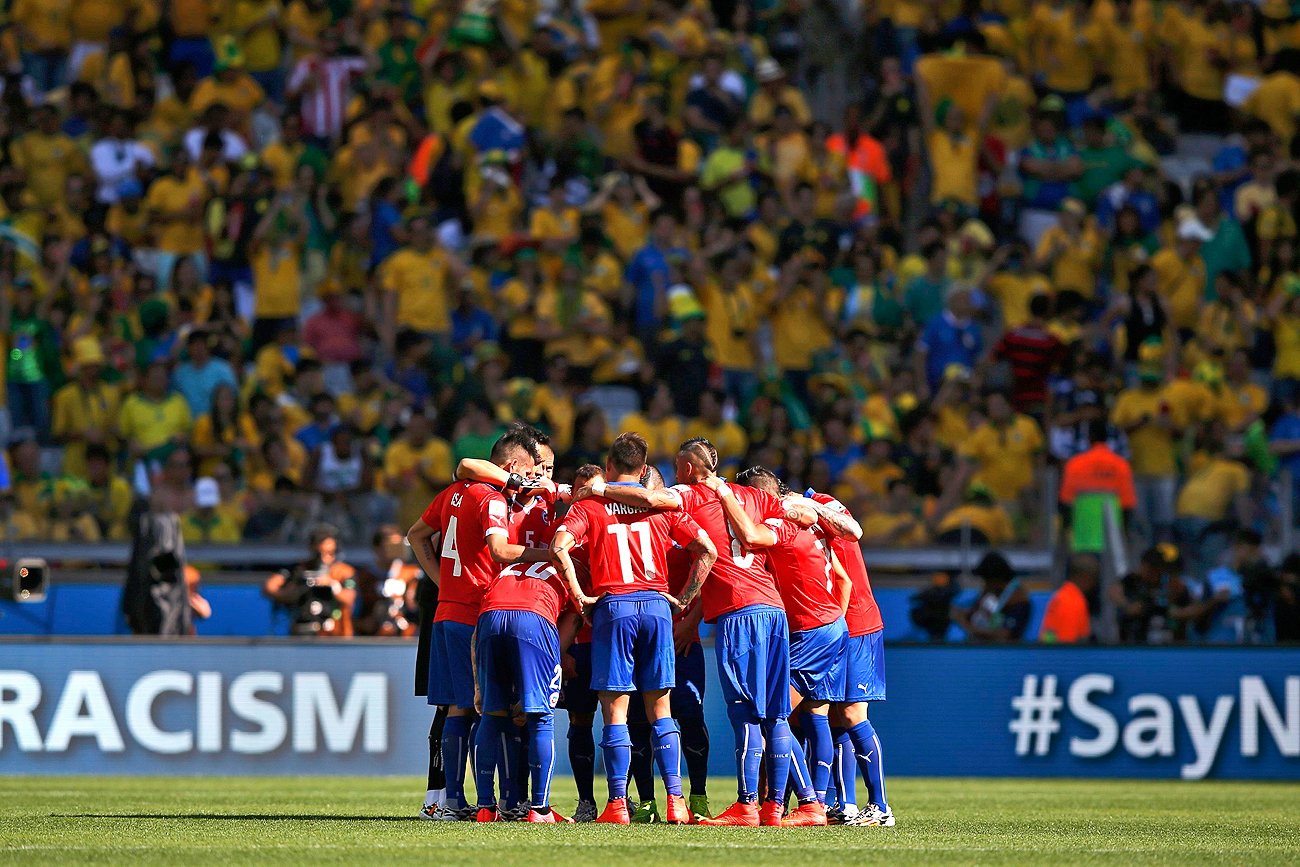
(738, 814)
(427, 812)
(488, 814)
(770, 813)
(551, 817)
(678, 813)
(809, 815)
(839, 815)
(586, 812)
(700, 807)
(646, 813)
(615, 813)
(468, 813)
(873, 817)
(515, 814)
(444, 814)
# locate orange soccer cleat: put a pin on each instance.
(551, 818)
(615, 813)
(738, 814)
(487, 814)
(770, 813)
(678, 813)
(806, 816)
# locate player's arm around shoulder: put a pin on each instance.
(750, 533)
(663, 499)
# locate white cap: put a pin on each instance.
(768, 70)
(1192, 229)
(207, 493)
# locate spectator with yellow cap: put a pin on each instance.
(85, 410)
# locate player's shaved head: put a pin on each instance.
(652, 478)
(515, 450)
(627, 456)
(696, 459)
(761, 478)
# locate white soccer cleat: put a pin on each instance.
(873, 817)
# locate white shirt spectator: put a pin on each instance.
(233, 146)
(324, 85)
(115, 160)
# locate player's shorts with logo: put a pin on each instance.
(577, 696)
(632, 643)
(753, 648)
(865, 674)
(518, 656)
(818, 661)
(451, 669)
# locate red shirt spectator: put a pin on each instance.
(1033, 353)
(334, 333)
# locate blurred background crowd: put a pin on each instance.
(281, 262)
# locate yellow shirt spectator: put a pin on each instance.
(43, 25)
(799, 328)
(1013, 291)
(1005, 457)
(176, 206)
(1276, 102)
(416, 473)
(1151, 421)
(257, 23)
(277, 280)
(663, 436)
(727, 436)
(954, 162)
(1075, 258)
(1213, 482)
(47, 159)
(79, 413)
(1181, 284)
(992, 521)
(147, 424)
(732, 318)
(419, 280)
(211, 528)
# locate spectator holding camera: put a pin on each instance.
(388, 594)
(319, 592)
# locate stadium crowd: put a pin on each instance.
(284, 262)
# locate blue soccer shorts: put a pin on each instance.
(577, 696)
(865, 672)
(818, 661)
(451, 670)
(518, 655)
(632, 643)
(688, 695)
(753, 649)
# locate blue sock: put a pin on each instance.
(749, 752)
(541, 748)
(866, 746)
(455, 752)
(489, 753)
(643, 762)
(779, 748)
(616, 746)
(695, 748)
(845, 774)
(821, 752)
(582, 758)
(513, 778)
(800, 776)
(668, 753)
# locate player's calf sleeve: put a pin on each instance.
(642, 768)
(821, 752)
(695, 747)
(616, 746)
(582, 758)
(866, 747)
(779, 748)
(541, 750)
(437, 780)
(749, 752)
(844, 774)
(668, 753)
(489, 752)
(455, 752)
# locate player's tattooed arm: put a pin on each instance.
(800, 513)
(837, 522)
(663, 499)
(703, 556)
(423, 540)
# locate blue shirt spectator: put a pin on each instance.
(950, 338)
(197, 378)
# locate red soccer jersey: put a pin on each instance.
(803, 575)
(582, 570)
(739, 578)
(532, 523)
(679, 561)
(535, 587)
(627, 547)
(863, 616)
(466, 514)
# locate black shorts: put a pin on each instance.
(426, 595)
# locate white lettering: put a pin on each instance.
(139, 712)
(1147, 736)
(84, 689)
(20, 693)
(1090, 714)
(209, 711)
(366, 700)
(268, 718)
(1256, 702)
(1205, 738)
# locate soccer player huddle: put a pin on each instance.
(592, 595)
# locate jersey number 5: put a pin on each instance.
(619, 532)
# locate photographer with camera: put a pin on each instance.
(318, 593)
(388, 594)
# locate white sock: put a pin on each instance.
(435, 796)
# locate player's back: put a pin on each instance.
(466, 514)
(535, 587)
(739, 578)
(863, 616)
(803, 575)
(626, 546)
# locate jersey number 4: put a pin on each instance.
(449, 550)
(642, 532)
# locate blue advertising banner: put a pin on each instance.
(283, 707)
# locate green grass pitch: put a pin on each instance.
(154, 820)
